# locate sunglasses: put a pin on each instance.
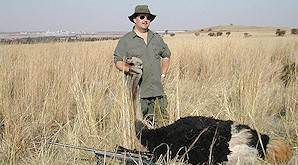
(143, 17)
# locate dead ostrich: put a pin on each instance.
(204, 140)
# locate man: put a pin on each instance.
(155, 54)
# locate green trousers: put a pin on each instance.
(154, 110)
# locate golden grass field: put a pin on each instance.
(72, 93)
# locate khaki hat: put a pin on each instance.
(141, 9)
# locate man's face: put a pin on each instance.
(143, 21)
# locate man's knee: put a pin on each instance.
(147, 109)
(161, 114)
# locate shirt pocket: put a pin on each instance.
(135, 52)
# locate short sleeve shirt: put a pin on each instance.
(131, 45)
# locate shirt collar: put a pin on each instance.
(150, 35)
(133, 34)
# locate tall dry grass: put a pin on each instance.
(72, 93)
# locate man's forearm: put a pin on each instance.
(122, 66)
(165, 64)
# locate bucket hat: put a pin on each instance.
(141, 9)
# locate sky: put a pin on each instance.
(112, 15)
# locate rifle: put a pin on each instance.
(126, 155)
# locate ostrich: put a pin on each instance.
(203, 140)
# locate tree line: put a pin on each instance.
(47, 39)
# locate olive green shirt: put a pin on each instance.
(131, 45)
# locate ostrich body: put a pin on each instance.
(205, 140)
(191, 137)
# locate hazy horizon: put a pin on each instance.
(96, 15)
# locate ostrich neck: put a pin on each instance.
(135, 90)
(140, 123)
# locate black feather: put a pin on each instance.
(179, 136)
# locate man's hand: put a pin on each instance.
(132, 65)
(135, 65)
(134, 70)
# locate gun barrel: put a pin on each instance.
(73, 146)
(126, 156)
